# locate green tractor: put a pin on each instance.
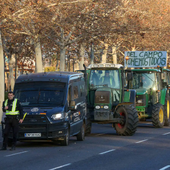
(152, 98)
(108, 101)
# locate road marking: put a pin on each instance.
(60, 166)
(142, 141)
(16, 153)
(166, 133)
(165, 167)
(106, 152)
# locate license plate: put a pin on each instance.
(32, 134)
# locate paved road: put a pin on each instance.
(148, 149)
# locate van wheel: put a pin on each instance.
(65, 142)
(81, 134)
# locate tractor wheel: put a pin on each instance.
(81, 134)
(88, 130)
(166, 113)
(158, 118)
(9, 142)
(129, 125)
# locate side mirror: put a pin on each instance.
(164, 84)
(73, 105)
(129, 76)
(163, 75)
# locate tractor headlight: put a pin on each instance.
(57, 116)
(106, 107)
(139, 101)
(97, 107)
(154, 88)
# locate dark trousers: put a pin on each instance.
(10, 122)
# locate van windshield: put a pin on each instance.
(46, 94)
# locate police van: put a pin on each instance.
(54, 105)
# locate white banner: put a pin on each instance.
(145, 58)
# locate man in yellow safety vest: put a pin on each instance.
(107, 79)
(14, 116)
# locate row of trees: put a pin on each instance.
(65, 29)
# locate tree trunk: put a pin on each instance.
(11, 72)
(114, 54)
(2, 82)
(104, 55)
(134, 48)
(92, 54)
(38, 56)
(82, 54)
(16, 67)
(62, 59)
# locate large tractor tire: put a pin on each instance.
(166, 111)
(158, 117)
(129, 125)
(88, 130)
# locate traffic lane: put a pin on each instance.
(43, 155)
(153, 154)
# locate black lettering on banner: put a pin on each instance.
(146, 58)
(141, 54)
(158, 61)
(163, 61)
(146, 61)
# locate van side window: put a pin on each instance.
(75, 89)
(81, 90)
(69, 96)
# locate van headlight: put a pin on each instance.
(57, 116)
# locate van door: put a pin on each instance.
(79, 99)
(70, 113)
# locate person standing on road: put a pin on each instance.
(14, 116)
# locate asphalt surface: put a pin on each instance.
(147, 149)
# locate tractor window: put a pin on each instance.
(168, 76)
(158, 84)
(107, 78)
(143, 80)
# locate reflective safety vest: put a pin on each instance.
(13, 111)
(103, 79)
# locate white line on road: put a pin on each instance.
(106, 152)
(166, 133)
(60, 166)
(142, 141)
(165, 167)
(16, 153)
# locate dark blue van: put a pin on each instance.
(54, 104)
